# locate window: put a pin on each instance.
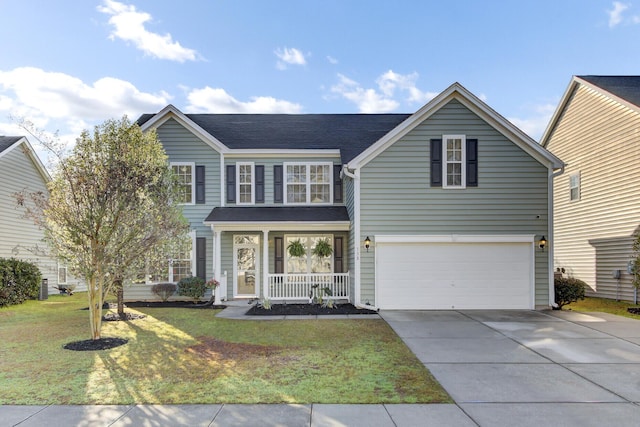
(182, 263)
(246, 183)
(185, 174)
(308, 183)
(454, 161)
(574, 187)
(62, 274)
(309, 262)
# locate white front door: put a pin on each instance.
(246, 261)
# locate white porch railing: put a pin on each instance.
(299, 286)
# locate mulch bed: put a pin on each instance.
(173, 304)
(306, 309)
(93, 345)
(634, 310)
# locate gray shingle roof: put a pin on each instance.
(279, 214)
(625, 87)
(350, 133)
(8, 141)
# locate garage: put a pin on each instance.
(454, 272)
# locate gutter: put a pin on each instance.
(355, 176)
(553, 175)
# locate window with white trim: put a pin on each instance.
(62, 274)
(308, 183)
(185, 172)
(454, 161)
(574, 187)
(245, 188)
(309, 262)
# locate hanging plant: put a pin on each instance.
(323, 248)
(296, 248)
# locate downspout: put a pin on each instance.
(551, 240)
(355, 176)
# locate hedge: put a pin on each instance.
(568, 290)
(19, 281)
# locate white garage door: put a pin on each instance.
(439, 276)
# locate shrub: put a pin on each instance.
(19, 281)
(568, 290)
(164, 290)
(193, 287)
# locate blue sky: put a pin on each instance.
(68, 65)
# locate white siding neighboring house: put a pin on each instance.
(596, 131)
(20, 238)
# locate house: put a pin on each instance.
(440, 209)
(597, 211)
(20, 238)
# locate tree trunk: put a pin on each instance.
(120, 299)
(95, 308)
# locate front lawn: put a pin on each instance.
(603, 305)
(182, 355)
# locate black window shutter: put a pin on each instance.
(338, 258)
(337, 184)
(259, 183)
(231, 183)
(201, 257)
(277, 184)
(199, 184)
(436, 163)
(278, 257)
(472, 162)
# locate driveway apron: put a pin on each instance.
(554, 368)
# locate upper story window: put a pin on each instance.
(185, 173)
(574, 187)
(246, 183)
(454, 160)
(308, 183)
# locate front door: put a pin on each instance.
(246, 260)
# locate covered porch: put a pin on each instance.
(252, 255)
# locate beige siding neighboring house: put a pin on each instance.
(596, 131)
(20, 238)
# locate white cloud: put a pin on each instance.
(537, 122)
(332, 60)
(60, 102)
(288, 56)
(615, 14)
(128, 25)
(217, 100)
(382, 99)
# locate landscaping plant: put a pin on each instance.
(19, 281)
(113, 208)
(164, 290)
(568, 290)
(193, 287)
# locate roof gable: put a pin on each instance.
(458, 92)
(623, 89)
(9, 143)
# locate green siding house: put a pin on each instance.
(441, 209)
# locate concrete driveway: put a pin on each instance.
(529, 368)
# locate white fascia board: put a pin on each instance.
(171, 112)
(475, 104)
(456, 238)
(278, 226)
(283, 153)
(29, 151)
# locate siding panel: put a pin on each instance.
(597, 137)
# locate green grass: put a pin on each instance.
(179, 355)
(603, 305)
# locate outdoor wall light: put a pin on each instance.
(542, 243)
(367, 243)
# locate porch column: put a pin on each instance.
(265, 264)
(217, 265)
